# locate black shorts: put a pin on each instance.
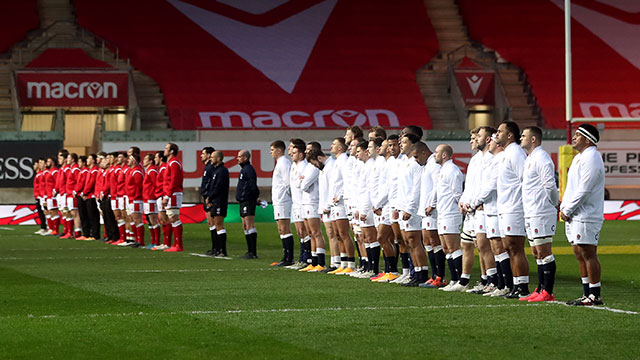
(247, 208)
(218, 210)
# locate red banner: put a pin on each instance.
(62, 89)
(476, 86)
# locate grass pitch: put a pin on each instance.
(75, 299)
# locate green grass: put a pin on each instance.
(71, 299)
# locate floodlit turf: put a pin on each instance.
(76, 299)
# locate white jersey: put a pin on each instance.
(280, 183)
(309, 185)
(448, 190)
(583, 199)
(366, 181)
(488, 197)
(394, 178)
(409, 187)
(381, 193)
(472, 178)
(428, 179)
(510, 180)
(351, 189)
(539, 190)
(323, 186)
(297, 170)
(336, 182)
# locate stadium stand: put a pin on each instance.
(199, 73)
(530, 34)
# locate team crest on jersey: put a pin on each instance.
(508, 228)
(445, 227)
(407, 225)
(428, 224)
(578, 236)
(481, 227)
(535, 230)
(493, 231)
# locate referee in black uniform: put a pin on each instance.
(217, 200)
(205, 156)
(247, 195)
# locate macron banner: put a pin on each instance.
(476, 86)
(62, 88)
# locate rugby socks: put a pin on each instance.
(320, 255)
(452, 268)
(77, 232)
(523, 284)
(252, 240)
(121, 230)
(314, 258)
(343, 260)
(287, 245)
(306, 249)
(585, 286)
(440, 260)
(505, 265)
(56, 223)
(483, 280)
(456, 256)
(540, 275)
(549, 272)
(140, 234)
(406, 266)
(222, 240)
(499, 275)
(214, 238)
(374, 257)
(492, 276)
(167, 229)
(432, 259)
(177, 234)
(594, 289)
(335, 261)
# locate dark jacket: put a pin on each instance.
(206, 178)
(247, 184)
(218, 187)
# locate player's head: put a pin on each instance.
(171, 150)
(484, 137)
(353, 146)
(508, 132)
(50, 162)
(585, 136)
(244, 156)
(413, 129)
(62, 156)
(277, 148)
(133, 150)
(362, 151)
(407, 141)
(377, 132)
(444, 153)
(314, 157)
(313, 145)
(206, 152)
(393, 145)
(531, 138)
(292, 143)
(472, 138)
(420, 151)
(72, 158)
(374, 145)
(338, 146)
(148, 160)
(217, 157)
(353, 132)
(297, 152)
(134, 159)
(159, 158)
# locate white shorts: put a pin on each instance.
(325, 218)
(62, 201)
(394, 221)
(310, 212)
(151, 207)
(175, 201)
(160, 205)
(114, 204)
(296, 215)
(72, 203)
(52, 204)
(511, 224)
(582, 233)
(281, 212)
(479, 222)
(120, 204)
(370, 222)
(429, 223)
(384, 218)
(413, 224)
(449, 225)
(135, 206)
(468, 228)
(493, 227)
(541, 226)
(338, 212)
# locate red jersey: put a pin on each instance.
(116, 170)
(72, 179)
(173, 178)
(90, 181)
(82, 179)
(149, 183)
(133, 183)
(50, 180)
(98, 189)
(121, 180)
(37, 184)
(162, 172)
(61, 180)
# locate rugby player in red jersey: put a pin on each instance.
(172, 199)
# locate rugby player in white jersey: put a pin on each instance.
(510, 208)
(351, 193)
(540, 200)
(445, 202)
(394, 162)
(582, 209)
(338, 210)
(367, 183)
(308, 183)
(325, 163)
(298, 163)
(430, 238)
(468, 235)
(408, 203)
(281, 198)
(382, 211)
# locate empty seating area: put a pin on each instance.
(530, 34)
(17, 17)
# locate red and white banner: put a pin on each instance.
(477, 86)
(69, 88)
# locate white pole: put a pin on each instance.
(567, 67)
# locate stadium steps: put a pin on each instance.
(7, 120)
(51, 11)
(524, 107)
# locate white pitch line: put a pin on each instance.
(6, 228)
(198, 270)
(606, 308)
(56, 249)
(329, 309)
(80, 258)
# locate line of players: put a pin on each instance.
(397, 196)
(118, 186)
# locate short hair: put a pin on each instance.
(219, 154)
(393, 137)
(74, 156)
(364, 145)
(136, 150)
(114, 153)
(173, 148)
(343, 144)
(93, 156)
(474, 131)
(419, 147)
(136, 157)
(356, 130)
(514, 129)
(379, 132)
(299, 147)
(102, 154)
(82, 158)
(415, 130)
(149, 156)
(412, 137)
(296, 141)
(63, 152)
(208, 149)
(160, 154)
(535, 131)
(279, 144)
(447, 149)
(52, 159)
(245, 153)
(490, 130)
(315, 145)
(377, 142)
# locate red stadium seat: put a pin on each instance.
(17, 17)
